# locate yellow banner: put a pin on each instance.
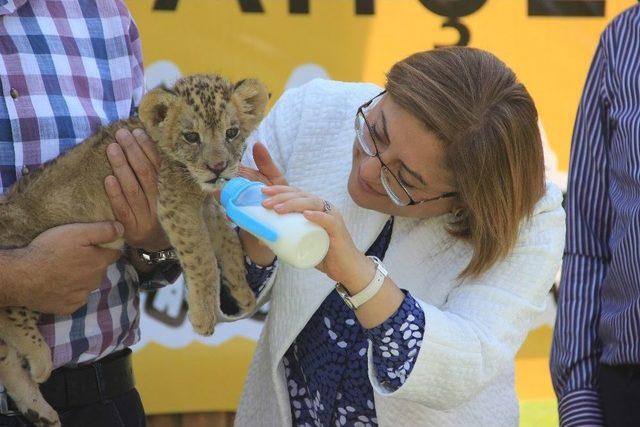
(549, 44)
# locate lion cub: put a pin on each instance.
(199, 125)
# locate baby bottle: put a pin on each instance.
(294, 239)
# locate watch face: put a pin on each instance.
(145, 256)
(344, 294)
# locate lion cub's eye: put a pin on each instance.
(232, 133)
(191, 137)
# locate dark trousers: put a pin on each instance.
(620, 394)
(125, 410)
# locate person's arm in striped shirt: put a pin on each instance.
(576, 349)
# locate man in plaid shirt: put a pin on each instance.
(66, 68)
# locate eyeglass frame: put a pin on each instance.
(363, 146)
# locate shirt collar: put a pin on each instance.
(7, 7)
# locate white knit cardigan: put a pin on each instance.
(464, 373)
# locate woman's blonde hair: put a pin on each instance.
(488, 125)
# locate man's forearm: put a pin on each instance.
(10, 277)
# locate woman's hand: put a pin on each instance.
(269, 174)
(343, 263)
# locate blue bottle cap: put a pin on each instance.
(229, 196)
(233, 188)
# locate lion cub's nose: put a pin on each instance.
(218, 167)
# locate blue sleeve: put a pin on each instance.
(258, 276)
(576, 348)
(396, 343)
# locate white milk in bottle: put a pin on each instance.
(293, 238)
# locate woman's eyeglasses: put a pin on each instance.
(392, 185)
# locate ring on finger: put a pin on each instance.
(326, 206)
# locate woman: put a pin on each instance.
(442, 180)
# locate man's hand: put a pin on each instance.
(133, 189)
(59, 268)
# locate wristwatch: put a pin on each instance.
(159, 257)
(355, 301)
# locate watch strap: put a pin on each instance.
(159, 257)
(357, 300)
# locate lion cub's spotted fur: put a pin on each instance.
(199, 126)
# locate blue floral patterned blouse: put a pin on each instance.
(326, 367)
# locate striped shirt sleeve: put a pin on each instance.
(137, 68)
(576, 348)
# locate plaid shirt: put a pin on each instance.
(66, 68)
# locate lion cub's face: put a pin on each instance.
(202, 122)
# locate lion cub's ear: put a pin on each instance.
(250, 97)
(153, 110)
